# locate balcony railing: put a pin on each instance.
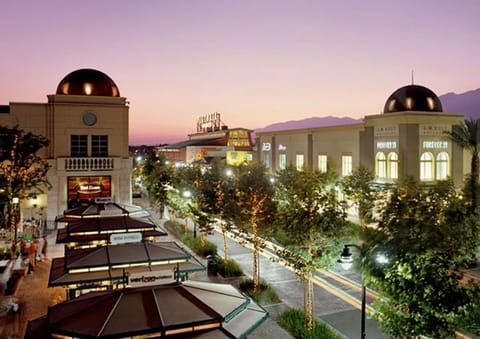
(87, 164)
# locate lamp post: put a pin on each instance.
(346, 260)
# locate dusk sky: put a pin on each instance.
(256, 62)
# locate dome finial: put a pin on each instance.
(412, 77)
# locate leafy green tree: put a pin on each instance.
(218, 192)
(427, 233)
(311, 216)
(23, 171)
(158, 176)
(256, 210)
(189, 196)
(467, 136)
(361, 189)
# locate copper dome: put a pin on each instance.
(88, 82)
(413, 98)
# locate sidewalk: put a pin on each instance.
(34, 296)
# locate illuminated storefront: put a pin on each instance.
(213, 139)
(408, 139)
(86, 122)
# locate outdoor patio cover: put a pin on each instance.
(154, 255)
(191, 309)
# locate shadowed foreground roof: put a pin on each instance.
(119, 259)
(191, 309)
(100, 228)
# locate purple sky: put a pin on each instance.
(256, 62)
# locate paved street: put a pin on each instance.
(342, 316)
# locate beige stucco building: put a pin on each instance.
(408, 139)
(86, 122)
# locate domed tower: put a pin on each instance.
(88, 81)
(87, 123)
(413, 98)
(409, 138)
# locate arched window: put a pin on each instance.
(380, 165)
(392, 163)
(443, 166)
(426, 167)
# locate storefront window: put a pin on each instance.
(282, 161)
(347, 165)
(266, 160)
(299, 162)
(443, 166)
(322, 163)
(393, 165)
(380, 165)
(426, 167)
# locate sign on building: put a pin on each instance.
(124, 238)
(150, 278)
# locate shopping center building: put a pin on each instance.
(86, 122)
(407, 139)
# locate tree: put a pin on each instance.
(190, 188)
(23, 170)
(360, 187)
(427, 234)
(311, 216)
(467, 136)
(158, 179)
(218, 191)
(256, 210)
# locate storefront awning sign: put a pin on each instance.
(150, 278)
(124, 238)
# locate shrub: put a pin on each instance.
(293, 320)
(175, 227)
(265, 294)
(229, 269)
(195, 244)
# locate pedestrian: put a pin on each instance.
(44, 247)
(23, 248)
(32, 255)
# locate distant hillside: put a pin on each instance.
(309, 123)
(467, 103)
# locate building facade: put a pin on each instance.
(86, 122)
(408, 139)
(213, 139)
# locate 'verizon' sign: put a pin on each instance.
(150, 278)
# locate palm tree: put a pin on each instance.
(467, 136)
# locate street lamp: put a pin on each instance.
(346, 260)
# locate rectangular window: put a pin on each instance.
(99, 145)
(282, 161)
(266, 160)
(322, 163)
(347, 165)
(78, 146)
(5, 146)
(299, 162)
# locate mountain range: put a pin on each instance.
(467, 103)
